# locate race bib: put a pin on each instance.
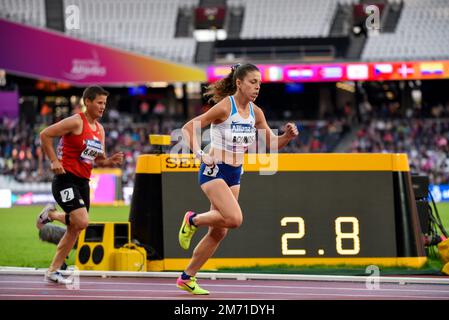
(211, 171)
(93, 149)
(67, 195)
(243, 134)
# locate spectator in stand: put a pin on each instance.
(425, 141)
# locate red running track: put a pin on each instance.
(33, 287)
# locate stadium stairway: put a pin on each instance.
(392, 17)
(236, 15)
(340, 25)
(184, 22)
(356, 47)
(204, 52)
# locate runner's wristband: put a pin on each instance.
(199, 154)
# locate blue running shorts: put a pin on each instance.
(230, 174)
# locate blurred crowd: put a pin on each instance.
(424, 140)
(21, 154)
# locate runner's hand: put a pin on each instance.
(57, 167)
(291, 130)
(116, 159)
(208, 160)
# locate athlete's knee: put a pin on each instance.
(79, 219)
(234, 222)
(82, 224)
(218, 234)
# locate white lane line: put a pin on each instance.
(444, 289)
(233, 276)
(64, 297)
(373, 295)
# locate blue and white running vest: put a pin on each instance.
(236, 133)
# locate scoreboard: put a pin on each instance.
(298, 209)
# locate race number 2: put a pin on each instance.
(67, 195)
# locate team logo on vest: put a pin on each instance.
(242, 133)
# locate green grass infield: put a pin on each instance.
(20, 245)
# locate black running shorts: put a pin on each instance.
(71, 192)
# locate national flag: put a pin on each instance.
(383, 69)
(273, 73)
(357, 71)
(331, 72)
(297, 74)
(405, 70)
(428, 68)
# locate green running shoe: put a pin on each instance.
(191, 286)
(186, 231)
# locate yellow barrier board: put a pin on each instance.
(283, 162)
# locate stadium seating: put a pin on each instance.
(30, 12)
(147, 27)
(422, 33)
(9, 182)
(266, 19)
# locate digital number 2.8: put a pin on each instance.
(340, 235)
